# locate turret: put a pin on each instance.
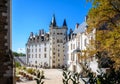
(64, 23)
(53, 22)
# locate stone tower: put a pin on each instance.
(57, 40)
(6, 58)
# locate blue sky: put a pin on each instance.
(33, 15)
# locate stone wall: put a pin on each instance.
(6, 58)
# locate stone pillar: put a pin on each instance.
(6, 59)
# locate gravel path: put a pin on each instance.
(52, 76)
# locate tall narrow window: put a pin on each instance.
(71, 46)
(58, 54)
(32, 55)
(45, 56)
(39, 55)
(45, 49)
(39, 49)
(53, 61)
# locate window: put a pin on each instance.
(78, 44)
(29, 55)
(72, 57)
(58, 59)
(45, 56)
(45, 49)
(32, 55)
(39, 55)
(85, 42)
(36, 55)
(53, 61)
(36, 50)
(58, 54)
(57, 40)
(53, 56)
(39, 49)
(53, 53)
(71, 46)
(58, 65)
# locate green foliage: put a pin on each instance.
(70, 77)
(39, 78)
(104, 16)
(17, 64)
(92, 78)
(30, 70)
(42, 73)
(66, 77)
(111, 77)
(75, 78)
(15, 54)
(23, 67)
(18, 54)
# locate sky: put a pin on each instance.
(33, 15)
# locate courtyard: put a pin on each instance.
(52, 76)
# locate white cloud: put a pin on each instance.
(21, 50)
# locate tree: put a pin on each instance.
(104, 16)
(18, 54)
(15, 54)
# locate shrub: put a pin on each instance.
(39, 78)
(17, 64)
(30, 70)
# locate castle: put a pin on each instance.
(56, 48)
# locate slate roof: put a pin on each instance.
(81, 28)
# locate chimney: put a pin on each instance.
(31, 34)
(39, 32)
(42, 31)
(77, 25)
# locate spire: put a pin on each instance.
(53, 23)
(64, 23)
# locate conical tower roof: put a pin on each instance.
(53, 22)
(64, 23)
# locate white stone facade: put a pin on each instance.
(78, 40)
(56, 48)
(49, 51)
